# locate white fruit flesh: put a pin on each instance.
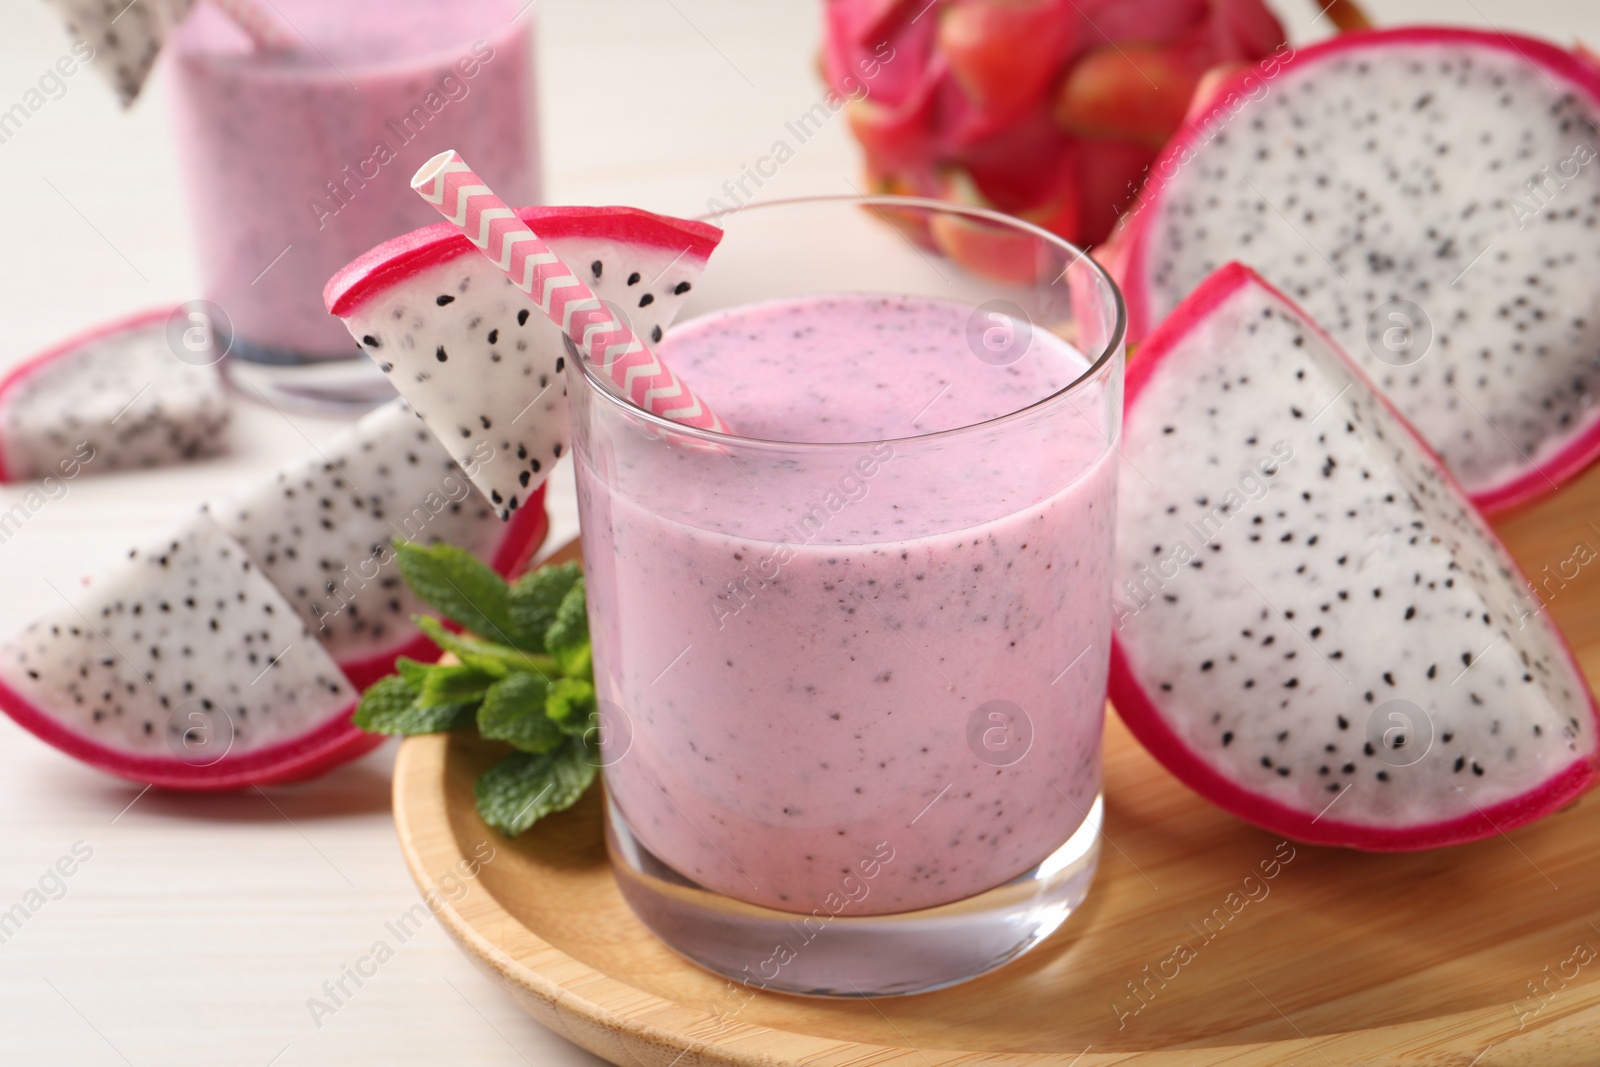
(185, 635)
(1294, 570)
(120, 401)
(321, 530)
(1379, 177)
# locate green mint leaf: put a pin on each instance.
(513, 711)
(570, 704)
(537, 596)
(460, 585)
(455, 684)
(567, 637)
(495, 659)
(413, 672)
(392, 706)
(523, 788)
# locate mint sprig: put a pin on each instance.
(525, 677)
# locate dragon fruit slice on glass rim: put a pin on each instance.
(1316, 630)
(1431, 196)
(322, 531)
(183, 668)
(115, 398)
(480, 364)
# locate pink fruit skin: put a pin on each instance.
(1139, 712)
(27, 367)
(394, 261)
(1132, 242)
(337, 741)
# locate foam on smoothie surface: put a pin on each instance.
(856, 367)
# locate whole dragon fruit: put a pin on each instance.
(1050, 110)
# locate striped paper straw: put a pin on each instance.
(264, 26)
(604, 338)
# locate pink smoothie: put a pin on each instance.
(311, 150)
(808, 656)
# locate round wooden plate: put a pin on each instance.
(1485, 954)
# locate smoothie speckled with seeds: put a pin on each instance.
(296, 161)
(914, 648)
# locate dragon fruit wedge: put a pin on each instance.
(479, 363)
(114, 399)
(1431, 197)
(1315, 629)
(184, 668)
(321, 531)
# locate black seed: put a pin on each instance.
(633, 279)
(655, 334)
(439, 355)
(522, 317)
(681, 288)
(647, 299)
(443, 300)
(369, 340)
(595, 267)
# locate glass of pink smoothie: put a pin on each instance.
(853, 660)
(296, 161)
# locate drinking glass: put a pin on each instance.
(842, 762)
(297, 160)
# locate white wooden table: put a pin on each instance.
(199, 927)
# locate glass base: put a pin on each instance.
(822, 955)
(301, 383)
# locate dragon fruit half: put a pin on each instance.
(1431, 197)
(1047, 109)
(113, 399)
(480, 364)
(1316, 630)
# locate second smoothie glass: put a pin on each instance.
(850, 765)
(296, 162)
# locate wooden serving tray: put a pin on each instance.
(1485, 955)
